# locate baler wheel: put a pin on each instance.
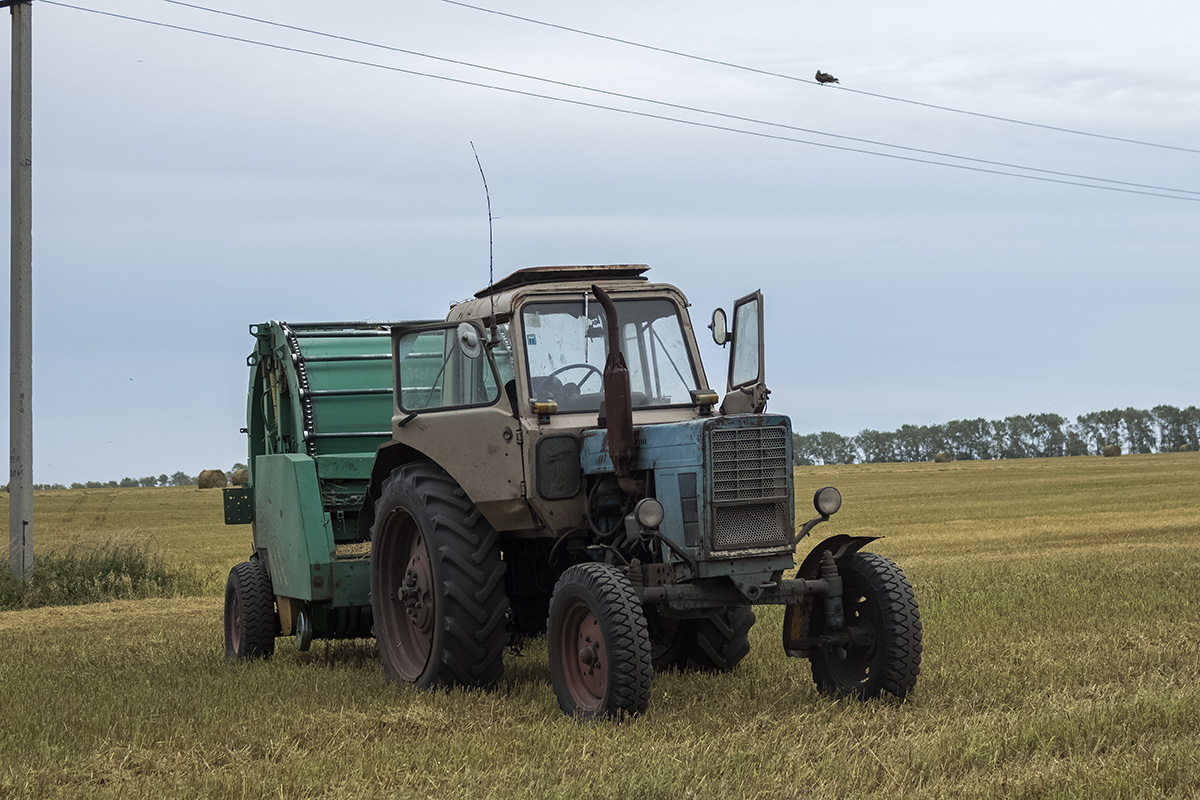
(600, 661)
(250, 621)
(885, 629)
(437, 583)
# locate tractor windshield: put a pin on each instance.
(566, 345)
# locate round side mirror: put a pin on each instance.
(719, 327)
(827, 501)
(468, 340)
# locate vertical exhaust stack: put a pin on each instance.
(618, 405)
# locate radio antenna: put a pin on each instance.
(491, 256)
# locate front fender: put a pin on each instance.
(839, 545)
(796, 615)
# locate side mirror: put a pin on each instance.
(468, 340)
(719, 327)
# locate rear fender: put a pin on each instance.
(387, 458)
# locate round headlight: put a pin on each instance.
(827, 501)
(649, 513)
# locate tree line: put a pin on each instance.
(1162, 429)
(175, 479)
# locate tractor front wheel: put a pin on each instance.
(600, 661)
(884, 627)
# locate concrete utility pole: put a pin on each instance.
(20, 363)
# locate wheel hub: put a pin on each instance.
(415, 591)
(589, 655)
(588, 676)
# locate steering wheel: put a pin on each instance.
(592, 369)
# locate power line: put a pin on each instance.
(785, 76)
(630, 112)
(677, 106)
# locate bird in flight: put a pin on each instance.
(825, 77)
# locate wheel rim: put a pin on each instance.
(235, 622)
(854, 664)
(584, 656)
(406, 584)
(664, 637)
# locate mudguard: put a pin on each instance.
(796, 615)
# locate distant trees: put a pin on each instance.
(1161, 429)
(182, 479)
(178, 479)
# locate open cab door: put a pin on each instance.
(746, 388)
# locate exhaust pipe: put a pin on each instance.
(618, 404)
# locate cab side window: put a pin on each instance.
(434, 370)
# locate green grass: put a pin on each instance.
(1062, 659)
(97, 574)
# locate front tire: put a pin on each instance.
(250, 621)
(885, 629)
(437, 583)
(599, 648)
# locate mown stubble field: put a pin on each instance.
(1062, 659)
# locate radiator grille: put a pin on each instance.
(751, 487)
(737, 527)
(750, 464)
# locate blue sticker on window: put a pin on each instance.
(531, 339)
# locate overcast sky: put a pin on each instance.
(187, 186)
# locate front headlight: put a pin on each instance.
(649, 513)
(827, 501)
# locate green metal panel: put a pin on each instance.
(293, 528)
(322, 390)
(352, 582)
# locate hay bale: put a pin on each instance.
(240, 478)
(1183, 448)
(1112, 450)
(943, 458)
(212, 479)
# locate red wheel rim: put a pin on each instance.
(584, 656)
(409, 610)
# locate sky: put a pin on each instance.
(187, 186)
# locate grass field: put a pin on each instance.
(1062, 659)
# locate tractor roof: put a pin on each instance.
(532, 275)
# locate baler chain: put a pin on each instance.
(306, 403)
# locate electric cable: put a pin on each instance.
(630, 112)
(677, 106)
(807, 81)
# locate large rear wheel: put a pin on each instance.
(437, 582)
(716, 642)
(599, 648)
(884, 625)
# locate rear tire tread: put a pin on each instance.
(470, 598)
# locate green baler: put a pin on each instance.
(319, 405)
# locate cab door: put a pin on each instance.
(450, 405)
(746, 388)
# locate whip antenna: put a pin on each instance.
(491, 280)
